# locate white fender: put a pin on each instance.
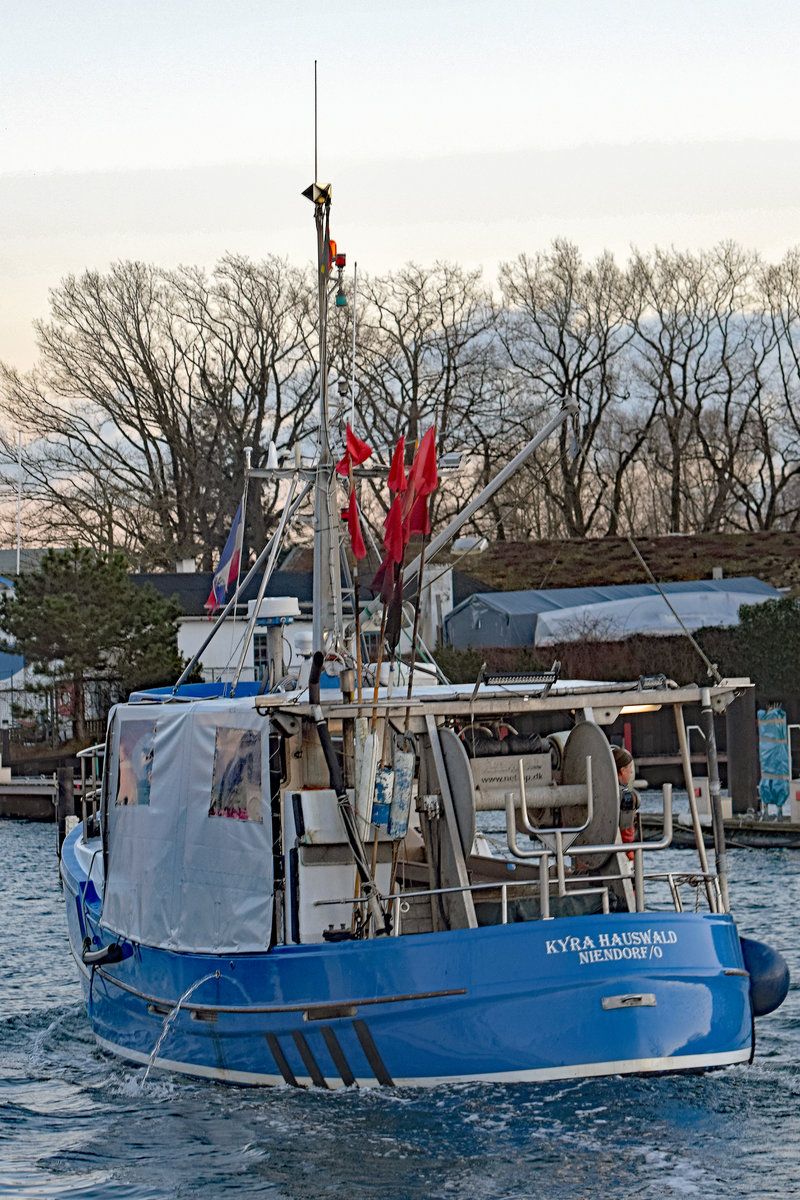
(366, 762)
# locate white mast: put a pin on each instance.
(327, 593)
(327, 588)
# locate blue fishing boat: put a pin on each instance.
(283, 881)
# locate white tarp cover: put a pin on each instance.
(616, 619)
(189, 827)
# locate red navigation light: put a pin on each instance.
(340, 260)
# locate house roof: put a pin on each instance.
(29, 559)
(773, 556)
(191, 590)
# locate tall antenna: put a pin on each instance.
(353, 381)
(316, 172)
(19, 495)
(327, 518)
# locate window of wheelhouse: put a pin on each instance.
(135, 762)
(236, 782)
(260, 656)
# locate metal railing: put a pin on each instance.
(91, 786)
(399, 902)
(397, 899)
(546, 886)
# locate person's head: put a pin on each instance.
(623, 760)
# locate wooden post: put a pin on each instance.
(742, 748)
(65, 802)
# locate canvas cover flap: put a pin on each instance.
(189, 827)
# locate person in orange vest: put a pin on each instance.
(628, 800)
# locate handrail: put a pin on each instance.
(545, 883)
(98, 750)
(607, 848)
(420, 893)
(93, 754)
(686, 761)
(588, 796)
(598, 883)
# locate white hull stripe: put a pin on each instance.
(629, 1066)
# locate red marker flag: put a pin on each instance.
(423, 477)
(356, 452)
(418, 520)
(383, 582)
(354, 526)
(394, 614)
(397, 474)
(394, 540)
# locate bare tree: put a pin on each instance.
(257, 363)
(564, 328)
(770, 497)
(702, 350)
(148, 387)
(672, 333)
(424, 357)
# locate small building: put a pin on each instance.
(442, 588)
(220, 658)
(541, 618)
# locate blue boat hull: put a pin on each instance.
(571, 997)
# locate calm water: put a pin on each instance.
(75, 1123)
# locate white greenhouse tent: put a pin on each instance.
(540, 618)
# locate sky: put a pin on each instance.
(174, 131)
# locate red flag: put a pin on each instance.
(354, 525)
(423, 477)
(359, 451)
(394, 614)
(356, 452)
(418, 520)
(394, 540)
(397, 474)
(383, 582)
